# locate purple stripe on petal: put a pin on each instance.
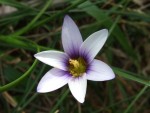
(71, 37)
(92, 45)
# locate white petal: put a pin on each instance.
(78, 87)
(53, 58)
(99, 71)
(71, 37)
(92, 45)
(52, 80)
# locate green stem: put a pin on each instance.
(26, 28)
(136, 98)
(17, 81)
(114, 24)
(24, 99)
(59, 101)
(29, 100)
(39, 23)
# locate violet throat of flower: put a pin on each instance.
(77, 67)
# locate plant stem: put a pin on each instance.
(136, 98)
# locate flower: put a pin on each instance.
(77, 64)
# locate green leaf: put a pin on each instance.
(131, 76)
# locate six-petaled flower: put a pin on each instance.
(77, 64)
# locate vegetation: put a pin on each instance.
(35, 25)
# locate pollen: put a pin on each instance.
(77, 67)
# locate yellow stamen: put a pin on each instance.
(77, 67)
(74, 63)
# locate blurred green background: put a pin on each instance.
(29, 26)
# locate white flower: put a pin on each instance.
(77, 64)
